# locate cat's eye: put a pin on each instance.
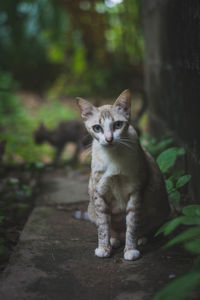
(117, 125)
(97, 128)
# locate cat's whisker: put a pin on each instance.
(87, 135)
(88, 147)
(88, 150)
(125, 145)
(129, 141)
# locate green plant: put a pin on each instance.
(182, 286)
(173, 185)
(174, 180)
(155, 146)
(18, 122)
(166, 159)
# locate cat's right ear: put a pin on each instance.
(123, 103)
(86, 108)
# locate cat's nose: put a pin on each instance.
(109, 139)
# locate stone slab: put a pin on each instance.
(59, 189)
(55, 260)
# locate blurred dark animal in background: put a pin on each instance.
(65, 132)
(2, 150)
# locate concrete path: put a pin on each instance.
(54, 259)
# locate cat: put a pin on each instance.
(128, 198)
(65, 132)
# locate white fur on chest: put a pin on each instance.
(115, 176)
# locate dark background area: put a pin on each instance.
(172, 74)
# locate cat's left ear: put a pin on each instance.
(123, 103)
(87, 109)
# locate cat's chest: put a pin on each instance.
(115, 184)
(120, 188)
(115, 177)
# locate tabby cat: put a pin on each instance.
(128, 199)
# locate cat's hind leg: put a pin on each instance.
(115, 243)
(118, 227)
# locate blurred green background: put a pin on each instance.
(54, 50)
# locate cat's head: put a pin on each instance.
(108, 124)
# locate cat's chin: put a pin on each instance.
(108, 146)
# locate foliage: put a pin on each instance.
(155, 146)
(175, 180)
(81, 46)
(166, 159)
(40, 24)
(17, 123)
(173, 187)
(182, 286)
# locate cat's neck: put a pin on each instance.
(116, 151)
(118, 160)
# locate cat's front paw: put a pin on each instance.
(102, 252)
(131, 254)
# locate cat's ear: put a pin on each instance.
(123, 103)
(86, 108)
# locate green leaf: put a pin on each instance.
(183, 180)
(167, 158)
(191, 210)
(193, 246)
(174, 197)
(168, 227)
(175, 176)
(169, 185)
(191, 220)
(188, 234)
(180, 287)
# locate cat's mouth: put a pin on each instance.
(108, 145)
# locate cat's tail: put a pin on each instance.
(81, 215)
